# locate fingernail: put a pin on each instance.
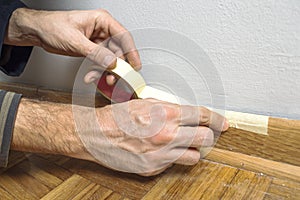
(225, 125)
(108, 61)
(110, 80)
(93, 79)
(89, 79)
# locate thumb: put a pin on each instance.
(95, 75)
(92, 76)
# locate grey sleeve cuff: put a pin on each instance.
(9, 102)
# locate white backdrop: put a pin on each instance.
(255, 46)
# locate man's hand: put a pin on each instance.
(74, 33)
(148, 136)
(143, 136)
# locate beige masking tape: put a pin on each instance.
(249, 122)
(245, 121)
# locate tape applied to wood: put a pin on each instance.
(131, 85)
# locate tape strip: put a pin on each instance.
(244, 121)
(249, 122)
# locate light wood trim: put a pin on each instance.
(255, 164)
(282, 144)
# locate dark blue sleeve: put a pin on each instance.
(13, 58)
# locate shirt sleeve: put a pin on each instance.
(9, 103)
(13, 58)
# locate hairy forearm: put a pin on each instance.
(45, 127)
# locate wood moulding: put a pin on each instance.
(275, 154)
(256, 164)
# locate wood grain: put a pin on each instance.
(35, 178)
(30, 91)
(180, 184)
(247, 185)
(243, 165)
(282, 143)
(283, 189)
(259, 165)
(14, 188)
(50, 167)
(5, 195)
(14, 158)
(130, 185)
(73, 188)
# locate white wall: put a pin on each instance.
(255, 46)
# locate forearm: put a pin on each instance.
(22, 28)
(45, 127)
(14, 53)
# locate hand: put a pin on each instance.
(92, 33)
(141, 136)
(147, 136)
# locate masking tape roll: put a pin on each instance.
(244, 121)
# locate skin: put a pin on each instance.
(46, 127)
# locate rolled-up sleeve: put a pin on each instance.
(13, 58)
(9, 103)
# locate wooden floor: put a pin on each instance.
(243, 165)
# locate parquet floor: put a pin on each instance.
(33, 176)
(243, 165)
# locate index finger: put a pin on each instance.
(195, 116)
(125, 40)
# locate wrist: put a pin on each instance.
(44, 127)
(22, 28)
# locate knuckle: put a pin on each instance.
(204, 115)
(163, 137)
(103, 11)
(172, 111)
(153, 100)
